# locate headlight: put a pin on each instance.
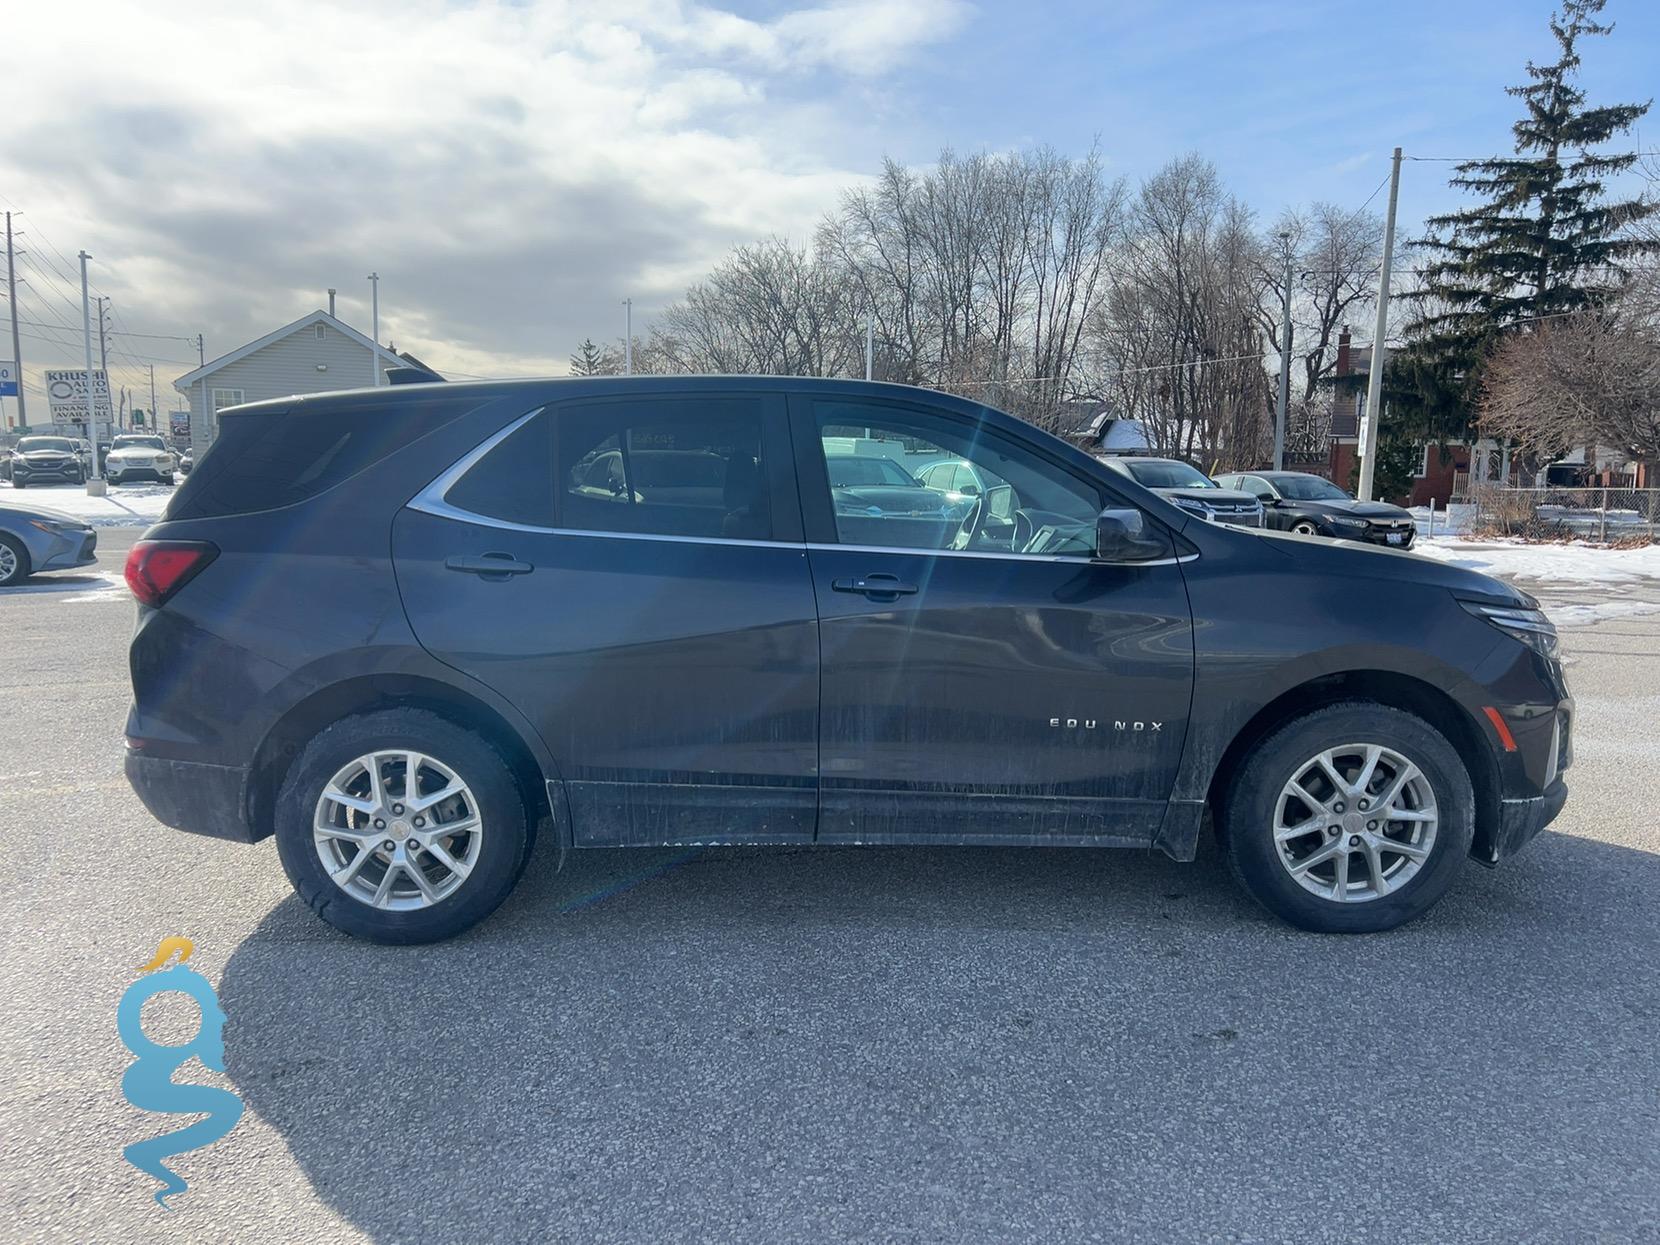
(1196, 507)
(1340, 521)
(1530, 626)
(53, 528)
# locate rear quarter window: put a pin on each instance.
(263, 460)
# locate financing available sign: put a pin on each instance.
(8, 379)
(66, 395)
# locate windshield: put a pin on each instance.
(858, 472)
(1307, 488)
(44, 443)
(1156, 473)
(148, 443)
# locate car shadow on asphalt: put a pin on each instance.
(964, 1043)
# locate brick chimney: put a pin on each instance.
(1343, 351)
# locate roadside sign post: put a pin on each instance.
(95, 486)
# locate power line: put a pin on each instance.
(1629, 155)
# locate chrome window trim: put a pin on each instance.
(431, 500)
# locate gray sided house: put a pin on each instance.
(314, 354)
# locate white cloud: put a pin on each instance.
(512, 170)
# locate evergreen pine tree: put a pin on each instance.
(1543, 241)
(591, 360)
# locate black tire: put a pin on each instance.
(504, 849)
(1247, 817)
(21, 570)
(17, 483)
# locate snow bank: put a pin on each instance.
(1574, 563)
(126, 505)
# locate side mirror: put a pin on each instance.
(970, 490)
(1267, 499)
(1124, 535)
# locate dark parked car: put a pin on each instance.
(1311, 505)
(1191, 489)
(46, 460)
(33, 539)
(403, 629)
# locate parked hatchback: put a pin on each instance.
(402, 630)
(1310, 505)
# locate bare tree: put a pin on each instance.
(1587, 379)
(1180, 343)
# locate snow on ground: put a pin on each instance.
(1448, 519)
(1547, 564)
(126, 505)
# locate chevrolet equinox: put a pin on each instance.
(403, 629)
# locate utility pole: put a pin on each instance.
(153, 417)
(1374, 381)
(1285, 364)
(870, 345)
(628, 337)
(103, 353)
(17, 347)
(95, 482)
(374, 327)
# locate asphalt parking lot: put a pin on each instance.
(903, 1044)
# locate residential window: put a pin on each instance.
(670, 467)
(319, 331)
(226, 397)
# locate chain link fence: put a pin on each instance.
(1605, 515)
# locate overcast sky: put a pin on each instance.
(513, 171)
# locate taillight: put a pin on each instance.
(156, 569)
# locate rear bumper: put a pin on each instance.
(193, 796)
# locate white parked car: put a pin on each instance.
(139, 455)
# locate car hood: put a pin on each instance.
(1355, 509)
(31, 455)
(25, 513)
(142, 451)
(1334, 557)
(1227, 496)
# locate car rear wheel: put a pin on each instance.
(1350, 819)
(401, 827)
(14, 561)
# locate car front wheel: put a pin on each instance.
(1305, 527)
(14, 561)
(1353, 818)
(398, 826)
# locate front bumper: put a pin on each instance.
(65, 550)
(193, 796)
(69, 473)
(121, 471)
(1521, 820)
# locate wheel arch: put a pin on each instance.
(362, 694)
(1398, 691)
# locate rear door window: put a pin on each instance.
(664, 466)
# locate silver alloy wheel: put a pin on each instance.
(8, 563)
(1355, 800)
(1305, 528)
(397, 830)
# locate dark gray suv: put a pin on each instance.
(402, 630)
